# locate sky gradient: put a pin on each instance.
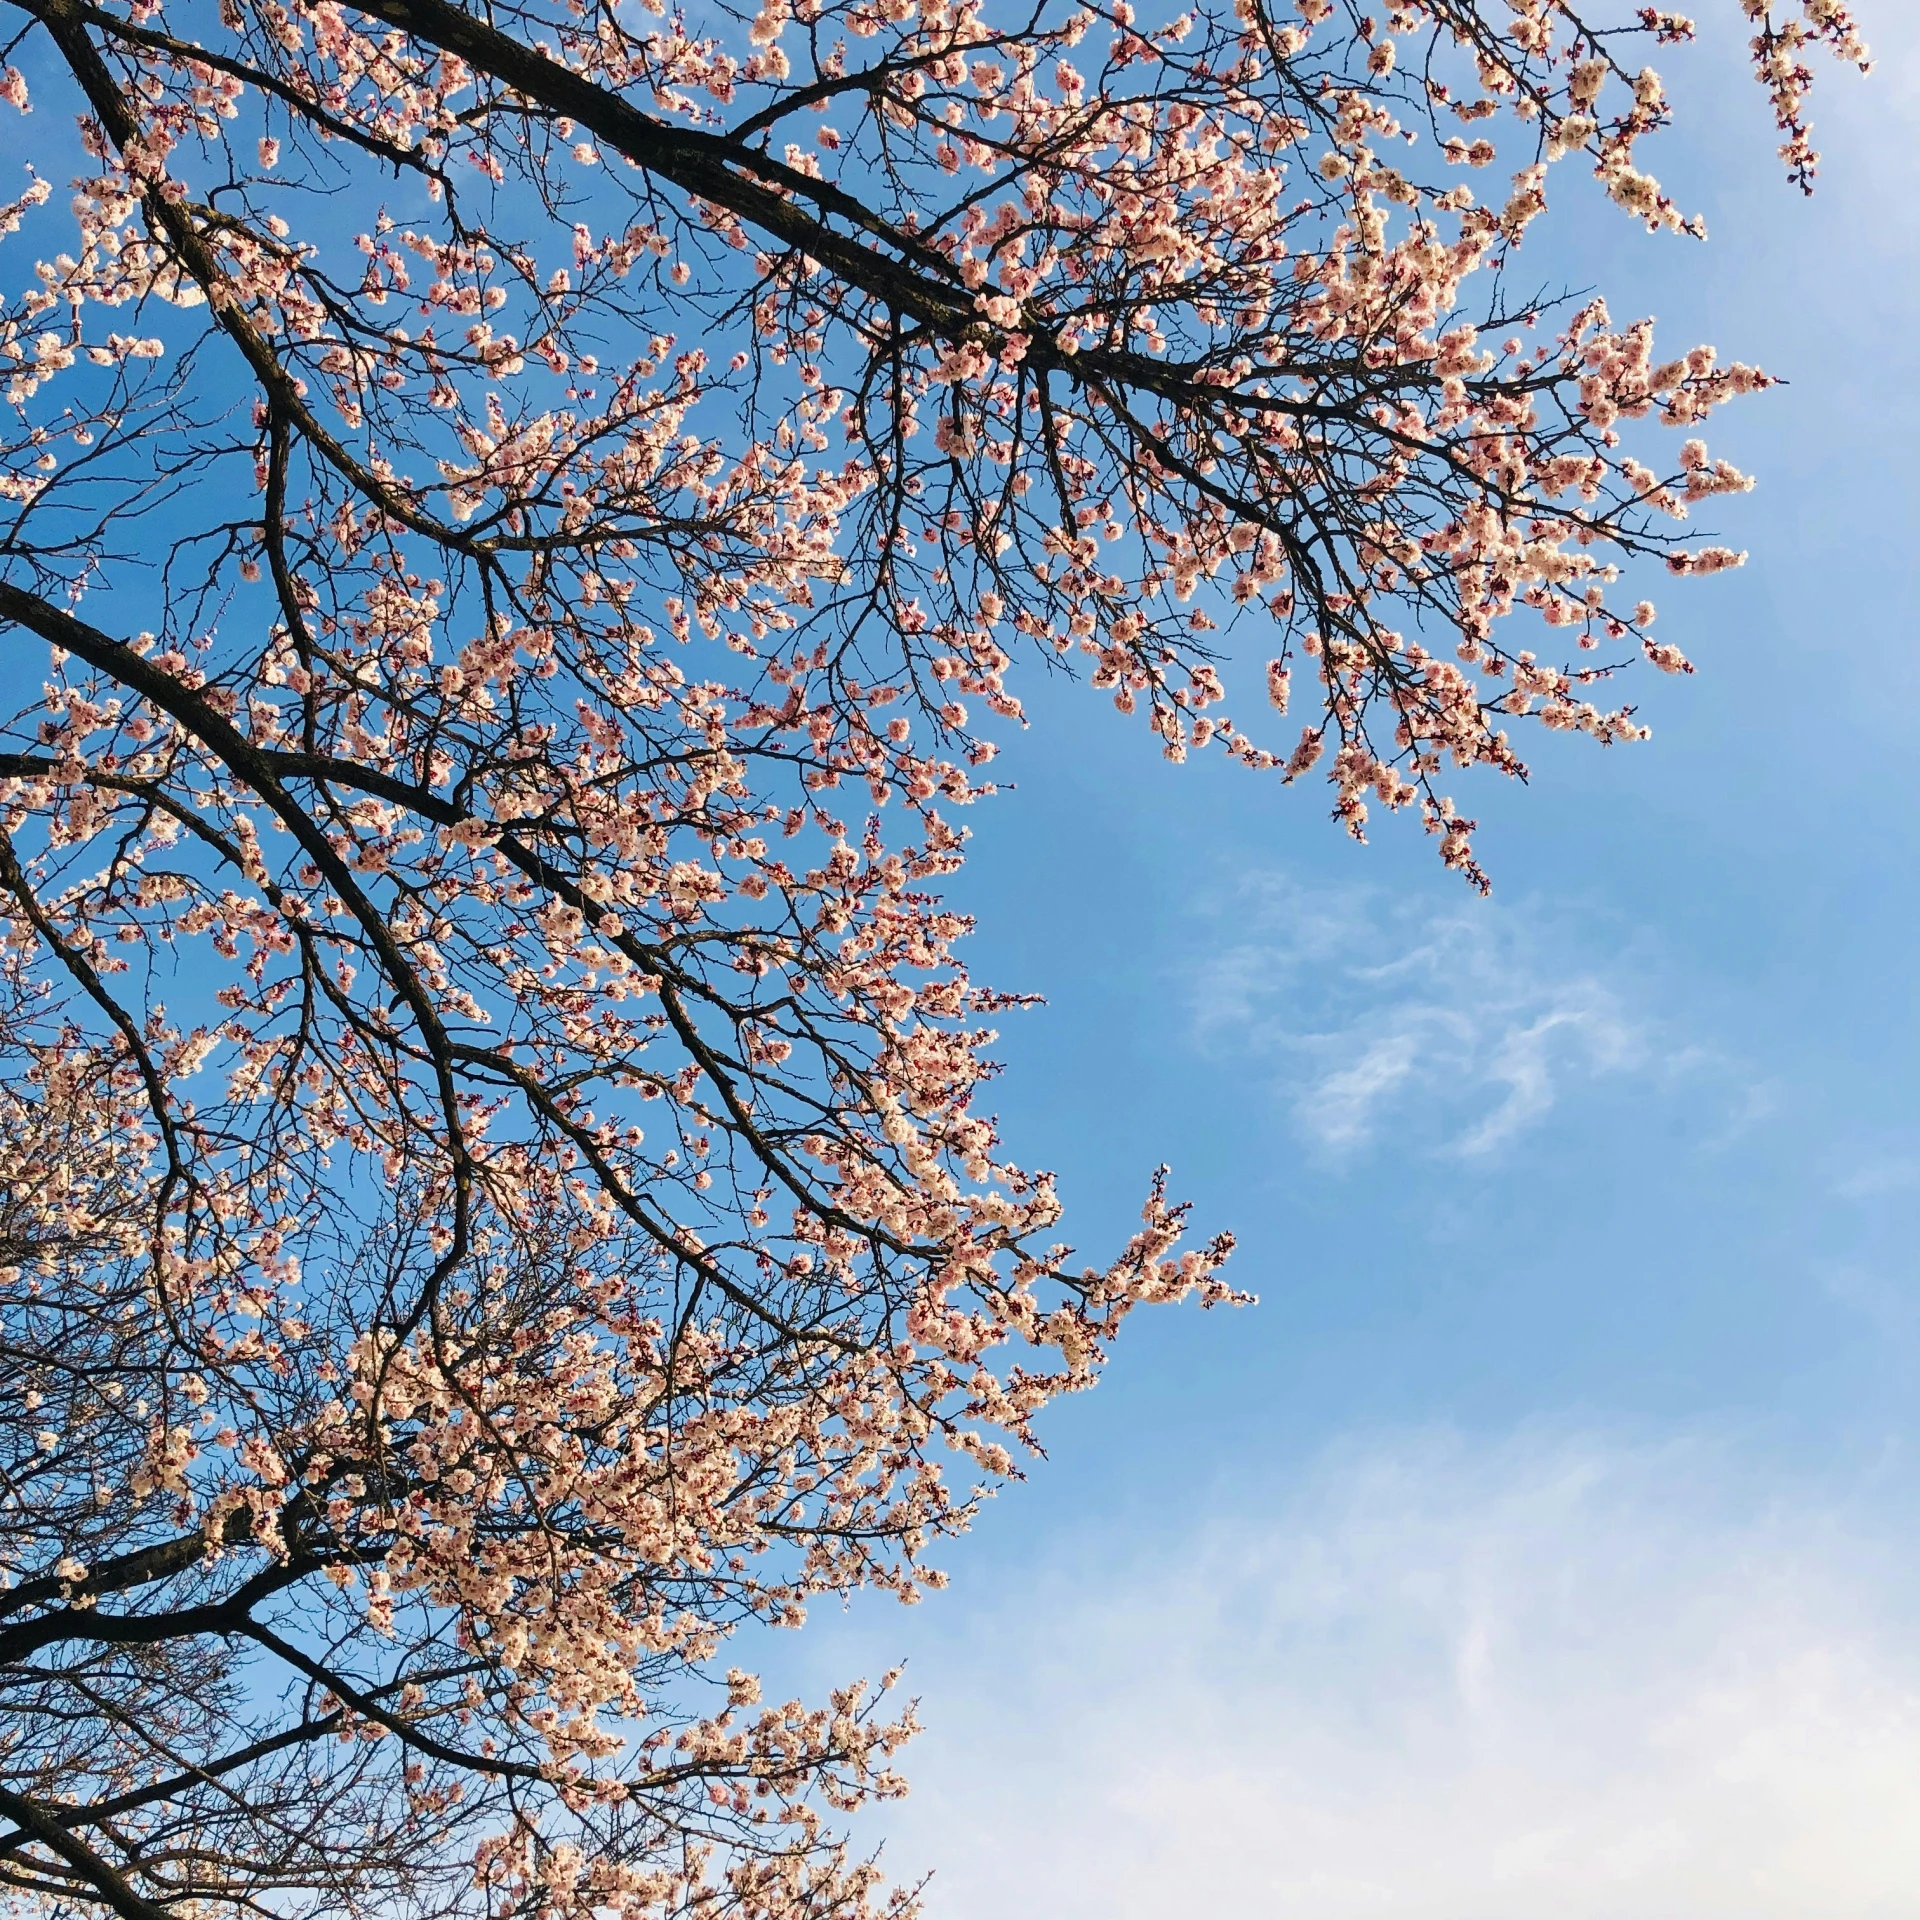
(1543, 1541)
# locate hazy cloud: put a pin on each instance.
(1873, 1177)
(1447, 1682)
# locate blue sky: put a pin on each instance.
(1545, 1535)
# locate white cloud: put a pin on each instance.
(1377, 1017)
(1871, 1177)
(1589, 1681)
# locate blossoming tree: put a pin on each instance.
(512, 519)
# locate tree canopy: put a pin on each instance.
(520, 527)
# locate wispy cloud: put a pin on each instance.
(1467, 1024)
(1445, 1682)
(1876, 1175)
